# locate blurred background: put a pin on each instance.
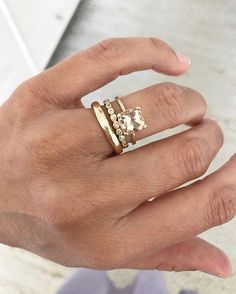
(35, 34)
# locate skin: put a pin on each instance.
(67, 197)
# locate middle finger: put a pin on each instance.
(161, 166)
(164, 106)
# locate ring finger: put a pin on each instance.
(164, 106)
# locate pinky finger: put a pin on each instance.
(195, 254)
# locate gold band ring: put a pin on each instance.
(106, 127)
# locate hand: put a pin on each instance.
(66, 197)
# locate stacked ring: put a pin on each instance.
(106, 127)
(116, 126)
(128, 122)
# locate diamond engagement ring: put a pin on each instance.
(130, 120)
(117, 126)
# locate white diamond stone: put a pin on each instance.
(110, 110)
(124, 144)
(113, 117)
(116, 125)
(119, 132)
(122, 138)
(131, 120)
(108, 105)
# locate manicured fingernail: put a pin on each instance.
(183, 58)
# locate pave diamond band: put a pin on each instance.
(113, 118)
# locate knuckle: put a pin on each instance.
(194, 157)
(217, 132)
(30, 97)
(157, 43)
(50, 148)
(202, 104)
(31, 88)
(171, 101)
(221, 206)
(110, 49)
(43, 153)
(21, 95)
(28, 86)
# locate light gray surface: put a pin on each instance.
(206, 30)
(29, 33)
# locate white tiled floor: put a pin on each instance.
(203, 29)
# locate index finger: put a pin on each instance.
(104, 62)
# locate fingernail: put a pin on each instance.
(212, 118)
(183, 58)
(227, 273)
(222, 276)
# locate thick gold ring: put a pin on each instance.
(106, 127)
(130, 120)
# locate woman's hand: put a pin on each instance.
(66, 197)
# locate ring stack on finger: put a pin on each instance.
(117, 126)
